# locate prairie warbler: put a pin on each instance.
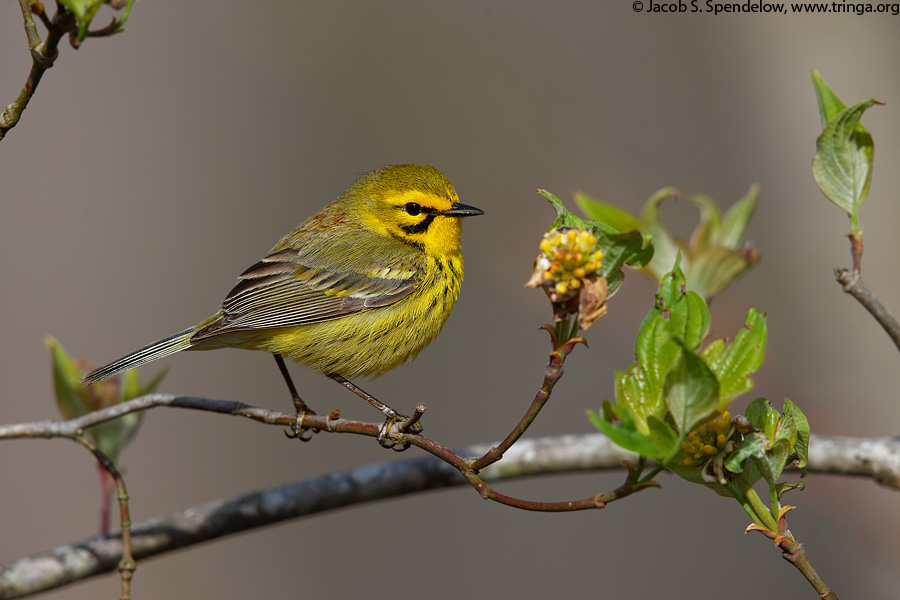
(357, 289)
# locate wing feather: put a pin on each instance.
(287, 289)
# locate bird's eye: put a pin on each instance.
(412, 208)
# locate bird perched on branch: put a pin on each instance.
(357, 289)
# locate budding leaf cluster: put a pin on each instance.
(619, 249)
(74, 399)
(713, 258)
(673, 386)
(84, 12)
(672, 402)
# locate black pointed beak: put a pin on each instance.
(461, 210)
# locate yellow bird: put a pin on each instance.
(357, 289)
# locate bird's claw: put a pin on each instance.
(298, 431)
(396, 423)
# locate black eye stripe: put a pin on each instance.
(421, 226)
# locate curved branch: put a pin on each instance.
(852, 284)
(878, 458)
(43, 55)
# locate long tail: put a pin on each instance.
(165, 347)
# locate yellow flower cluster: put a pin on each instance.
(568, 257)
(706, 440)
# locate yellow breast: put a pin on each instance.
(377, 340)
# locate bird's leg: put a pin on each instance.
(297, 431)
(391, 415)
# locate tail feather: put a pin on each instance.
(164, 347)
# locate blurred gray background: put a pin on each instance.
(152, 168)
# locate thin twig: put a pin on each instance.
(34, 40)
(397, 436)
(553, 373)
(127, 564)
(878, 458)
(794, 552)
(70, 428)
(851, 282)
(43, 56)
(409, 425)
(875, 458)
(73, 428)
(853, 285)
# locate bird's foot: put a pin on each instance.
(396, 424)
(298, 431)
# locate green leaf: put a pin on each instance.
(639, 399)
(774, 462)
(659, 442)
(678, 318)
(752, 446)
(563, 217)
(777, 437)
(84, 11)
(75, 399)
(665, 246)
(707, 230)
(678, 313)
(829, 104)
(655, 350)
(801, 446)
(712, 353)
(842, 165)
(624, 434)
(735, 365)
(782, 488)
(713, 269)
(610, 218)
(734, 225)
(66, 381)
(666, 441)
(694, 475)
(621, 250)
(763, 417)
(691, 391)
(786, 430)
(689, 320)
(112, 436)
(132, 387)
(716, 254)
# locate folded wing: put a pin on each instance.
(284, 290)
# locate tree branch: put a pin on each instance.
(552, 374)
(878, 458)
(852, 284)
(394, 433)
(43, 55)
